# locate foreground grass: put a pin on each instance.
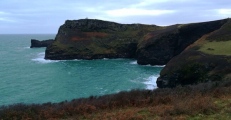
(204, 101)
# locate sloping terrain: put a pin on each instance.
(208, 59)
(160, 46)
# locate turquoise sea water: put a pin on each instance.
(25, 77)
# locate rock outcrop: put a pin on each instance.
(44, 43)
(96, 39)
(160, 46)
(207, 59)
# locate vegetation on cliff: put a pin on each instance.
(97, 39)
(208, 59)
(162, 45)
(150, 44)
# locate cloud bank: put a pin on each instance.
(26, 16)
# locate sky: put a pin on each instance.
(46, 16)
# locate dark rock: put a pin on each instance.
(44, 43)
(192, 67)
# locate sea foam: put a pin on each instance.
(134, 62)
(159, 66)
(26, 47)
(40, 59)
(151, 82)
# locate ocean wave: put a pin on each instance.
(40, 58)
(26, 47)
(134, 62)
(150, 82)
(155, 65)
(159, 66)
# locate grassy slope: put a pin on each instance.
(218, 42)
(217, 48)
(206, 59)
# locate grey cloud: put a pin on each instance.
(26, 16)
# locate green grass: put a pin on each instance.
(219, 42)
(217, 48)
(223, 104)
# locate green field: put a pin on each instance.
(217, 48)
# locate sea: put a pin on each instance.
(26, 77)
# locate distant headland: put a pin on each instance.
(192, 53)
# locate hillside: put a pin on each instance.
(208, 59)
(160, 46)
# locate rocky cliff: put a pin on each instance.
(96, 39)
(207, 59)
(37, 43)
(160, 46)
(150, 44)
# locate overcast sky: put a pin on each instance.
(45, 16)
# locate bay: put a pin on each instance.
(26, 77)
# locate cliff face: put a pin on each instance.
(160, 46)
(150, 44)
(96, 39)
(207, 59)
